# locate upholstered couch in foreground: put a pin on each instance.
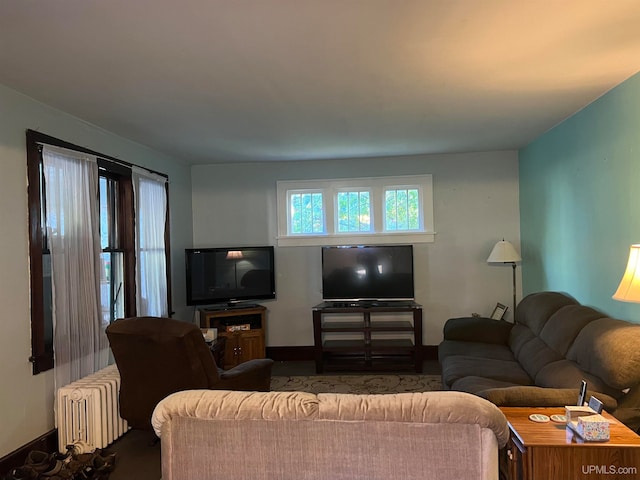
(540, 361)
(296, 436)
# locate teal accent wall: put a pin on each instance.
(580, 202)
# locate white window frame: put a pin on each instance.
(377, 186)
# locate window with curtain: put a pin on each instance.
(72, 231)
(151, 268)
(100, 254)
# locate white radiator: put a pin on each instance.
(88, 410)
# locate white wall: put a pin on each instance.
(476, 204)
(26, 400)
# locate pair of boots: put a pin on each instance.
(79, 463)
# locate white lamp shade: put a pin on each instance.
(503, 252)
(629, 288)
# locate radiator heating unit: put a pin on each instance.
(88, 410)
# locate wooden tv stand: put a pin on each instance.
(376, 345)
(241, 345)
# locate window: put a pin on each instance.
(402, 209)
(357, 210)
(306, 213)
(116, 268)
(112, 257)
(151, 262)
(354, 211)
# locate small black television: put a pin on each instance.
(229, 275)
(376, 273)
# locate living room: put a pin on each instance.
(565, 199)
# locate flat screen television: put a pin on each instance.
(229, 275)
(377, 273)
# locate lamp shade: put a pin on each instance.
(629, 288)
(503, 252)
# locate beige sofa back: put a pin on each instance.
(298, 435)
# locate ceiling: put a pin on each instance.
(212, 81)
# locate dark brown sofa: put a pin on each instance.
(541, 359)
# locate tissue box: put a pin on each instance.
(573, 412)
(593, 428)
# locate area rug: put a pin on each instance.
(367, 384)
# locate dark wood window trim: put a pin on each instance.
(41, 350)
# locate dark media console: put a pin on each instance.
(388, 344)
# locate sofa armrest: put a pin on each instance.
(243, 368)
(477, 329)
(527, 396)
(253, 375)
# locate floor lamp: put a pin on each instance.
(503, 252)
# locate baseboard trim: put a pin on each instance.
(306, 353)
(45, 443)
(430, 352)
(291, 354)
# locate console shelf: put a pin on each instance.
(399, 348)
(374, 327)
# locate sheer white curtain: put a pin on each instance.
(73, 235)
(150, 199)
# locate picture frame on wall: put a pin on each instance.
(499, 312)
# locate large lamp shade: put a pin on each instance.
(629, 288)
(503, 252)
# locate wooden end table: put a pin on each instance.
(552, 451)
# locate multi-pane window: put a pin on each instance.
(112, 256)
(117, 270)
(354, 211)
(402, 209)
(306, 210)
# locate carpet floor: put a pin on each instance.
(358, 384)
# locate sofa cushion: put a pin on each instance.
(535, 355)
(450, 348)
(628, 411)
(534, 310)
(474, 384)
(567, 374)
(459, 366)
(519, 336)
(609, 349)
(564, 326)
(531, 395)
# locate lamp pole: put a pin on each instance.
(504, 253)
(513, 264)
